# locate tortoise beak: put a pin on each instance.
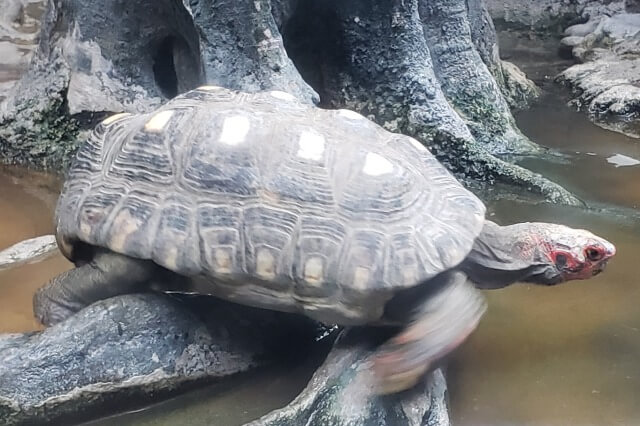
(611, 250)
(601, 267)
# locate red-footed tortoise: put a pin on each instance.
(265, 201)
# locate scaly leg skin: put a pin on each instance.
(443, 322)
(107, 275)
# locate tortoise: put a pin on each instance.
(266, 201)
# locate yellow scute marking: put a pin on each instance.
(223, 261)
(313, 270)
(376, 165)
(265, 264)
(123, 226)
(311, 145)
(234, 129)
(114, 117)
(158, 121)
(170, 260)
(361, 277)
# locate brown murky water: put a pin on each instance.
(595, 168)
(27, 203)
(565, 355)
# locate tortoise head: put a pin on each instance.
(535, 252)
(563, 253)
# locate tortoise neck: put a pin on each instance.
(503, 255)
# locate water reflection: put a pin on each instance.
(587, 149)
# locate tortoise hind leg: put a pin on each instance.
(108, 274)
(440, 323)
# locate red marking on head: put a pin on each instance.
(582, 265)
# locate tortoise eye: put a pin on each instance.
(593, 254)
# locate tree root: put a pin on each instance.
(380, 59)
(341, 393)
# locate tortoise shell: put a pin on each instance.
(269, 201)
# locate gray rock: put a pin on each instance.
(572, 41)
(607, 82)
(516, 86)
(31, 250)
(125, 352)
(11, 11)
(581, 30)
(130, 351)
(341, 393)
(550, 15)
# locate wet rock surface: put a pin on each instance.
(606, 84)
(30, 250)
(124, 352)
(516, 87)
(341, 392)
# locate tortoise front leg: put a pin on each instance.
(440, 323)
(107, 275)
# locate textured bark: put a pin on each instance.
(124, 352)
(98, 57)
(466, 80)
(241, 47)
(428, 68)
(374, 58)
(341, 393)
(518, 90)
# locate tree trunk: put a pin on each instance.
(426, 68)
